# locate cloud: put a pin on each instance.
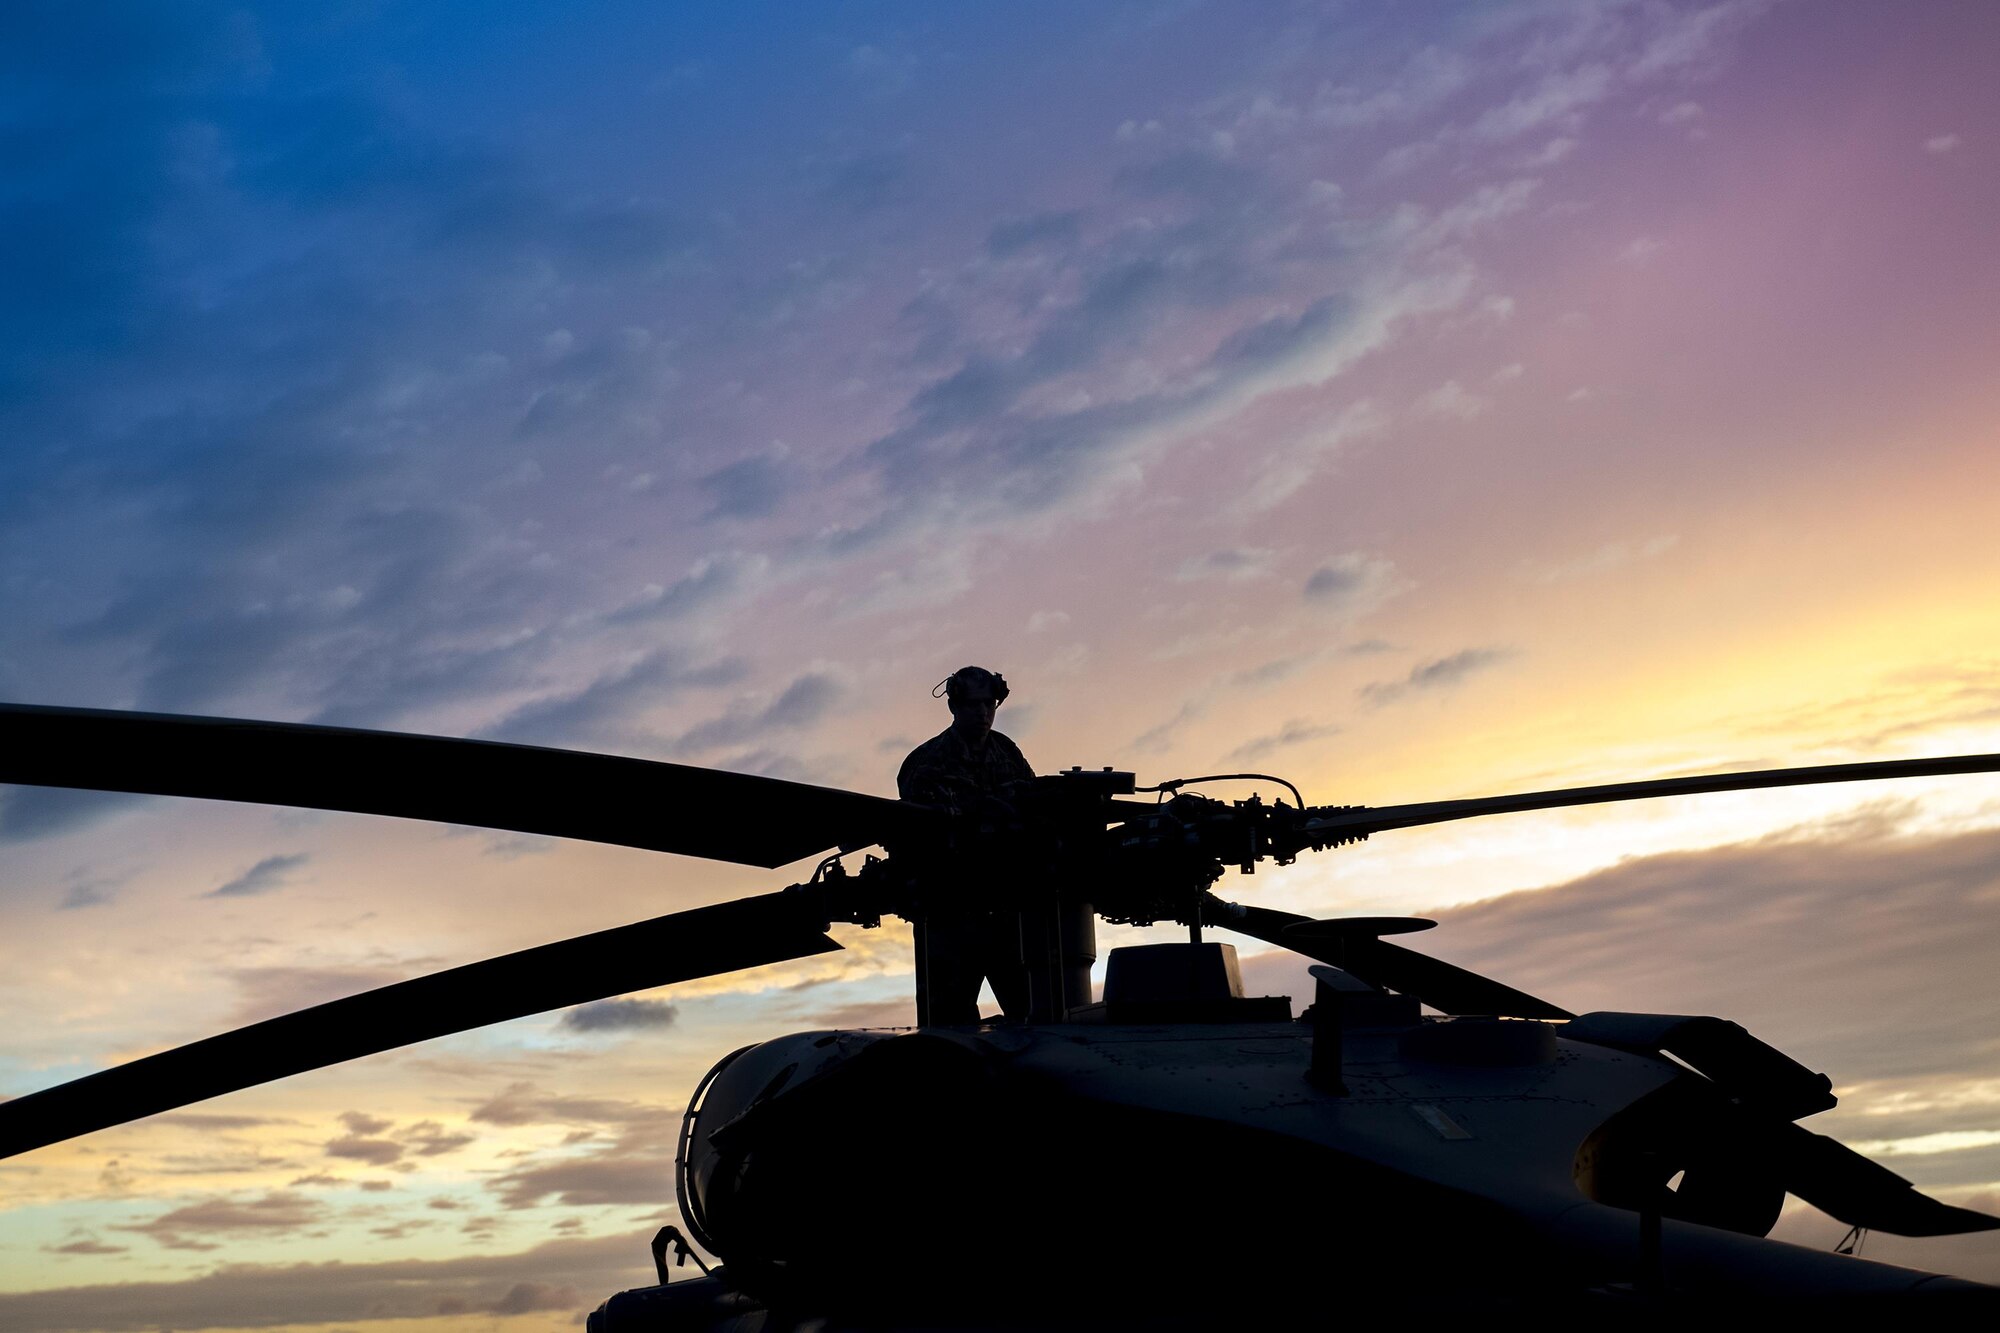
(1425, 80)
(360, 1122)
(1292, 466)
(991, 441)
(268, 874)
(619, 1016)
(27, 813)
(707, 581)
(1155, 739)
(266, 992)
(1441, 673)
(868, 182)
(250, 1295)
(1605, 559)
(802, 703)
(747, 488)
(1041, 232)
(1296, 732)
(1940, 144)
(87, 1245)
(525, 1104)
(529, 1297)
(1232, 564)
(225, 1215)
(86, 890)
(428, 1138)
(1856, 948)
(603, 709)
(1351, 585)
(1453, 401)
(375, 1152)
(1554, 99)
(215, 1124)
(263, 458)
(611, 1178)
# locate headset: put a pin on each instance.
(955, 686)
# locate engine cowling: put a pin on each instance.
(706, 1180)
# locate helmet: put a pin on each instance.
(967, 679)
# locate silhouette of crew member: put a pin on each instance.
(966, 931)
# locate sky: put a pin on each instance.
(1416, 402)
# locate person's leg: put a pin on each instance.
(948, 971)
(1001, 954)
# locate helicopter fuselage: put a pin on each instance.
(864, 1174)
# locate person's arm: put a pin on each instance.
(923, 781)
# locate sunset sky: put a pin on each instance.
(1416, 401)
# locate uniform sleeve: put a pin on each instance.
(922, 779)
(1017, 763)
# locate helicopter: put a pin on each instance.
(1183, 1154)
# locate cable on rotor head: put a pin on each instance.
(1176, 784)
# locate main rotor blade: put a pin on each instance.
(1443, 986)
(1361, 821)
(529, 789)
(705, 942)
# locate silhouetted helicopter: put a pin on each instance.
(1175, 1153)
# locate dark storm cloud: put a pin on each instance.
(264, 1295)
(268, 874)
(600, 708)
(619, 1016)
(803, 702)
(1438, 674)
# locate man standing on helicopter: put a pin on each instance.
(966, 929)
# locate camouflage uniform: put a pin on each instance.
(946, 772)
(963, 937)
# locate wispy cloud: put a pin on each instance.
(619, 1016)
(1351, 585)
(273, 872)
(1295, 732)
(1441, 673)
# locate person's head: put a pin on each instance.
(974, 694)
